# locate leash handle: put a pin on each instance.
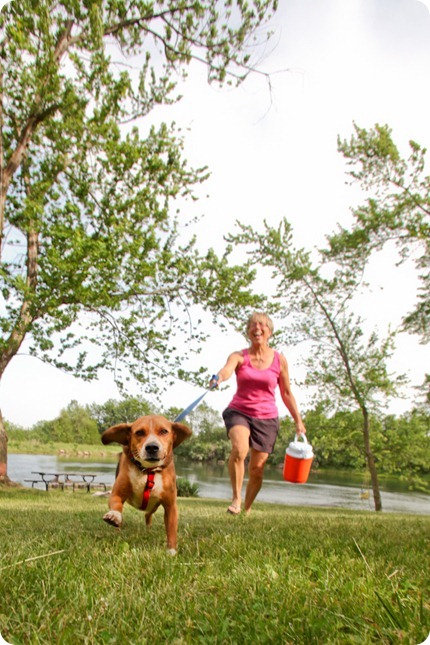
(215, 378)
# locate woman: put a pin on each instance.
(251, 419)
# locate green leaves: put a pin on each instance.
(398, 209)
(93, 189)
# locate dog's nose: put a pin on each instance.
(152, 449)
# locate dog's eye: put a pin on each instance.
(140, 433)
(164, 431)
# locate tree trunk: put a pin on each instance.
(17, 335)
(371, 461)
(4, 479)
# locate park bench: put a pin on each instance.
(33, 482)
(67, 480)
(55, 482)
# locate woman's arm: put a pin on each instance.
(288, 397)
(234, 360)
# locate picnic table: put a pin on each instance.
(65, 480)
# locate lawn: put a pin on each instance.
(283, 575)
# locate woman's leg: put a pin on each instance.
(255, 470)
(239, 437)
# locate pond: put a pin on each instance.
(339, 490)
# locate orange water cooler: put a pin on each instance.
(298, 461)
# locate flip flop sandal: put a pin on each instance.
(233, 510)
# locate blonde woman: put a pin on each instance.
(252, 418)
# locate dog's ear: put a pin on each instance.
(118, 434)
(181, 432)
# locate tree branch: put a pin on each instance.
(25, 316)
(132, 22)
(341, 346)
(37, 115)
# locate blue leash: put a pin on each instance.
(195, 403)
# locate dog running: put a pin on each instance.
(146, 476)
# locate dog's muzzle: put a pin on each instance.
(152, 452)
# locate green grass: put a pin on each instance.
(283, 575)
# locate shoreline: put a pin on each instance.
(90, 453)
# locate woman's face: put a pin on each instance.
(258, 330)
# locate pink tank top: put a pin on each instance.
(255, 394)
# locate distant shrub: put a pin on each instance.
(186, 488)
(208, 445)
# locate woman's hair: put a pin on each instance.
(260, 314)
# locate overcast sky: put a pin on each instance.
(273, 154)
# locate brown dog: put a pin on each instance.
(146, 474)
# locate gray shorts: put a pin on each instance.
(263, 432)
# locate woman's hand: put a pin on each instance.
(300, 427)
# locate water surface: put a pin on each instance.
(335, 490)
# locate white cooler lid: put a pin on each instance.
(300, 449)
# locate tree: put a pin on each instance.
(398, 210)
(405, 448)
(113, 412)
(338, 438)
(204, 418)
(315, 300)
(90, 253)
(73, 425)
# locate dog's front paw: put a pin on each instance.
(114, 518)
(171, 551)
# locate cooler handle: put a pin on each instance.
(301, 434)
